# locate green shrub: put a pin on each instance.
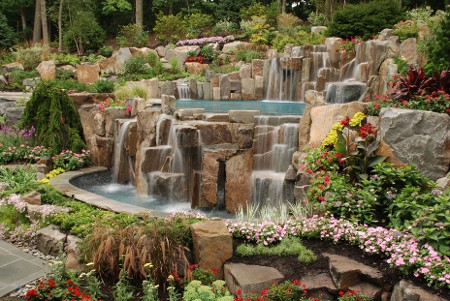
(136, 65)
(63, 74)
(132, 35)
(71, 85)
(103, 86)
(84, 33)
(406, 29)
(169, 28)
(7, 57)
(17, 76)
(126, 92)
(106, 51)
(365, 19)
(317, 19)
(198, 291)
(30, 57)
(288, 21)
(8, 36)
(209, 54)
(438, 46)
(196, 24)
(225, 27)
(257, 29)
(287, 247)
(51, 111)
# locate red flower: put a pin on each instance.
(51, 283)
(326, 180)
(296, 282)
(346, 121)
(238, 292)
(31, 293)
(341, 293)
(193, 267)
(338, 155)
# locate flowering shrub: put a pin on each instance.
(15, 136)
(23, 153)
(402, 250)
(202, 41)
(69, 160)
(347, 48)
(194, 272)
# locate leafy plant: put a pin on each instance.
(196, 290)
(106, 51)
(352, 295)
(69, 160)
(132, 35)
(317, 19)
(169, 28)
(103, 86)
(8, 36)
(285, 291)
(287, 247)
(438, 46)
(123, 291)
(30, 57)
(365, 19)
(415, 82)
(225, 27)
(53, 114)
(406, 29)
(196, 23)
(136, 65)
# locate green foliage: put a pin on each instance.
(438, 46)
(18, 180)
(365, 19)
(123, 291)
(286, 291)
(225, 27)
(317, 19)
(64, 74)
(255, 9)
(297, 37)
(209, 54)
(71, 85)
(65, 59)
(287, 247)
(288, 21)
(406, 29)
(17, 76)
(196, 24)
(68, 160)
(351, 295)
(8, 36)
(106, 51)
(84, 33)
(132, 35)
(136, 66)
(53, 114)
(126, 92)
(257, 29)
(198, 291)
(30, 57)
(247, 54)
(7, 57)
(103, 86)
(169, 28)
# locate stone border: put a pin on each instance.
(62, 183)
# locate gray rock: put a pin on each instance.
(73, 254)
(168, 104)
(243, 116)
(50, 240)
(33, 198)
(230, 48)
(342, 92)
(13, 114)
(406, 291)
(5, 104)
(347, 272)
(250, 278)
(411, 136)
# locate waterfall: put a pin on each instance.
(184, 92)
(123, 167)
(274, 146)
(282, 80)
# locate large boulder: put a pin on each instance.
(47, 70)
(230, 48)
(312, 99)
(412, 136)
(323, 118)
(50, 240)
(407, 291)
(212, 245)
(180, 53)
(88, 73)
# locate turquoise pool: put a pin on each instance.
(265, 106)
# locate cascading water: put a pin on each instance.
(282, 80)
(123, 170)
(184, 92)
(273, 150)
(167, 179)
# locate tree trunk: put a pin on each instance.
(283, 7)
(37, 23)
(44, 23)
(139, 12)
(60, 26)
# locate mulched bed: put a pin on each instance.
(292, 269)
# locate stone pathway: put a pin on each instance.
(18, 268)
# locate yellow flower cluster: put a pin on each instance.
(332, 136)
(357, 119)
(51, 175)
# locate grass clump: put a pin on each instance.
(287, 247)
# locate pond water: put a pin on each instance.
(100, 183)
(266, 107)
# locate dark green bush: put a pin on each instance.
(103, 86)
(169, 28)
(197, 23)
(8, 36)
(64, 74)
(132, 35)
(438, 46)
(106, 51)
(51, 111)
(365, 19)
(69, 85)
(136, 65)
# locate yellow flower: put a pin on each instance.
(332, 136)
(357, 119)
